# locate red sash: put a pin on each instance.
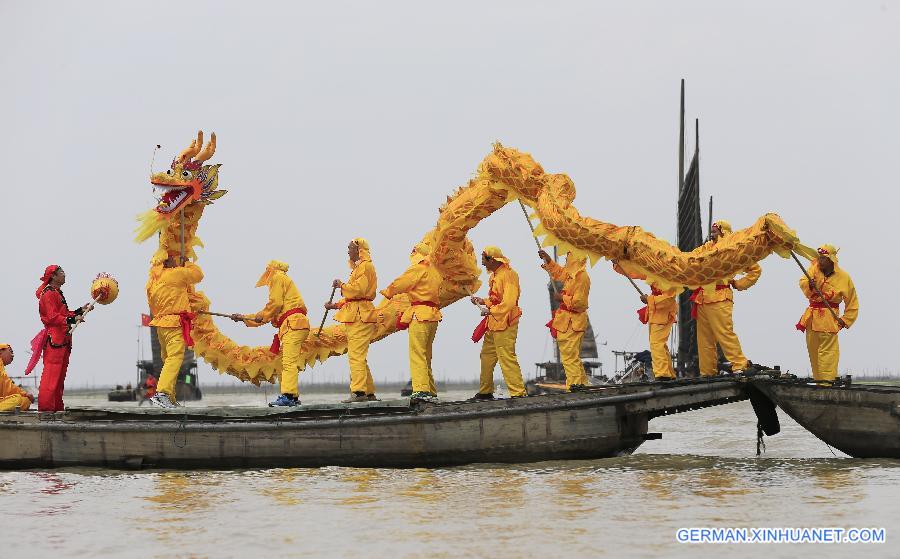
(693, 298)
(187, 323)
(276, 341)
(816, 305)
(480, 330)
(404, 325)
(561, 307)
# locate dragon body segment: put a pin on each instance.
(503, 176)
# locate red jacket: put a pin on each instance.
(56, 316)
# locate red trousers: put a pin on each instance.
(56, 363)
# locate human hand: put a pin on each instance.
(236, 317)
(558, 297)
(477, 300)
(337, 284)
(544, 256)
(841, 323)
(644, 299)
(485, 312)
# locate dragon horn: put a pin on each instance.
(192, 149)
(208, 151)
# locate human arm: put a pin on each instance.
(577, 300)
(750, 277)
(509, 295)
(358, 285)
(405, 282)
(851, 305)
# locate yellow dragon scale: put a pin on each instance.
(503, 176)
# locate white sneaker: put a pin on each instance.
(162, 400)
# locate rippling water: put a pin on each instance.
(703, 472)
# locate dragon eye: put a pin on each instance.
(170, 172)
(186, 174)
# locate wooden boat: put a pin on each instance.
(606, 421)
(862, 420)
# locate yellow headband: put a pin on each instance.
(722, 225)
(829, 251)
(271, 268)
(495, 253)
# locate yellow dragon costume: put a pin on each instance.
(503, 176)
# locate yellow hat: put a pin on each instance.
(722, 225)
(495, 253)
(363, 246)
(830, 251)
(5, 346)
(271, 268)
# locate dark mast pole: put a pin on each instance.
(681, 142)
(679, 361)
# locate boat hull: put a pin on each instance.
(378, 434)
(860, 420)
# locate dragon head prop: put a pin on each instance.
(187, 186)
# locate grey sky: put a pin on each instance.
(338, 120)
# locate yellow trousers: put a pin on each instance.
(359, 335)
(501, 346)
(570, 355)
(659, 350)
(715, 326)
(171, 343)
(824, 353)
(291, 340)
(14, 401)
(421, 340)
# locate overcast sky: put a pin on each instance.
(338, 120)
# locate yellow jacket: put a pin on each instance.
(167, 293)
(837, 287)
(358, 293)
(662, 307)
(576, 287)
(7, 386)
(422, 282)
(283, 296)
(723, 292)
(503, 299)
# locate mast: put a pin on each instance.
(690, 236)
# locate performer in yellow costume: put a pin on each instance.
(422, 283)
(502, 320)
(817, 321)
(714, 307)
(570, 319)
(659, 313)
(168, 292)
(11, 396)
(287, 312)
(357, 313)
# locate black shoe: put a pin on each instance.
(665, 379)
(479, 397)
(372, 398)
(517, 397)
(578, 388)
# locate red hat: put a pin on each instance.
(45, 279)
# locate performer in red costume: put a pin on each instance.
(55, 340)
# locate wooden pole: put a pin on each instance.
(537, 242)
(322, 324)
(223, 315)
(816, 287)
(182, 238)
